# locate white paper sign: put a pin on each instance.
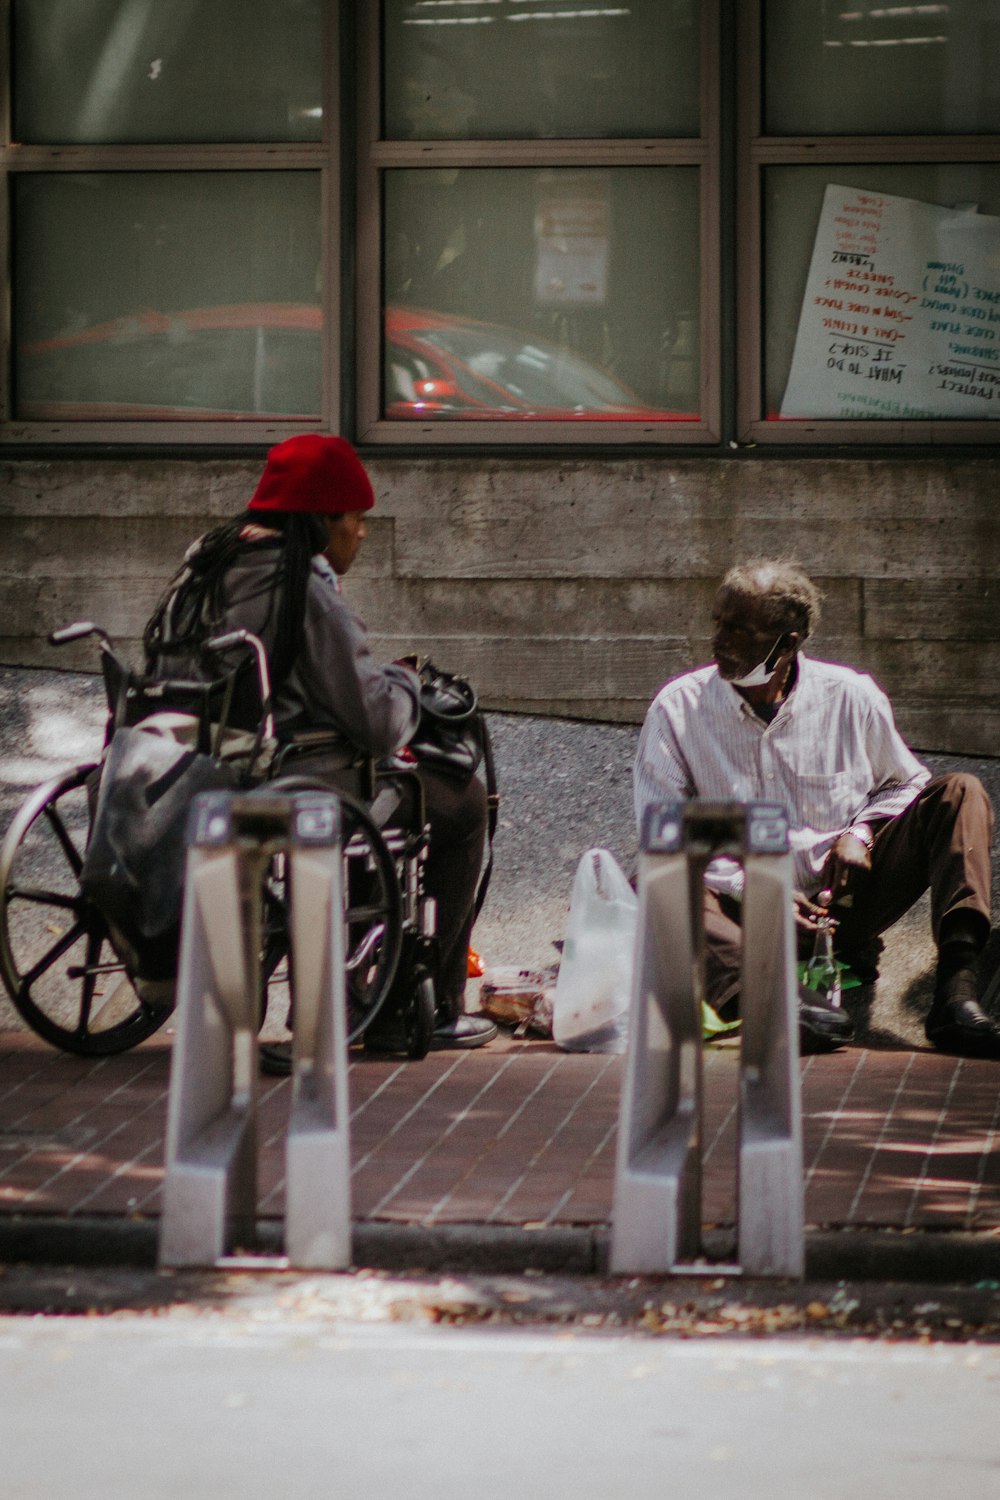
(901, 313)
(572, 239)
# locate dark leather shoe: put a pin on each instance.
(464, 1031)
(822, 1027)
(962, 1027)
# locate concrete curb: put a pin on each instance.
(832, 1254)
(494, 1249)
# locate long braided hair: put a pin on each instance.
(193, 606)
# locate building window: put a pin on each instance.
(167, 296)
(168, 191)
(532, 223)
(99, 72)
(538, 259)
(870, 182)
(510, 295)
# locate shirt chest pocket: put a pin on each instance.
(824, 803)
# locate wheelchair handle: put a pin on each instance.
(78, 632)
(256, 645)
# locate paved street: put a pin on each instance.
(216, 1407)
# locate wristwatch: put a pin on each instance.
(864, 835)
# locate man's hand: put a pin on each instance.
(848, 856)
(807, 912)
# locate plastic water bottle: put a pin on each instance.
(822, 970)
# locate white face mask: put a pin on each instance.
(762, 673)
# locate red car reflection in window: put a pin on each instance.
(245, 361)
(437, 365)
(264, 360)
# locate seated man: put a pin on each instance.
(766, 723)
(275, 570)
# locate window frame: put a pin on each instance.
(731, 337)
(321, 157)
(377, 155)
(755, 152)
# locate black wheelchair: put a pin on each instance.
(87, 988)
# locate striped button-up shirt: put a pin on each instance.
(832, 756)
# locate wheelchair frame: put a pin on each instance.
(79, 985)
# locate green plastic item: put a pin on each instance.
(713, 1027)
(848, 979)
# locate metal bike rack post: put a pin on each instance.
(658, 1179)
(210, 1186)
(317, 1147)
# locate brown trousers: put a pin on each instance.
(941, 842)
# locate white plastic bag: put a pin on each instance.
(591, 1002)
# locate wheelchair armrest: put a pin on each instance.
(387, 776)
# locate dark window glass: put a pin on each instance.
(542, 293)
(167, 294)
(494, 69)
(167, 70)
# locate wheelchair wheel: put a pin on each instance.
(56, 953)
(373, 912)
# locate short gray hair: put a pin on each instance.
(790, 599)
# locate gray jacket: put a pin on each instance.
(335, 683)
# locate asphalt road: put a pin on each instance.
(279, 1402)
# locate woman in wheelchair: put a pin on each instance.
(275, 570)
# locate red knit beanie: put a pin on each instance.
(322, 475)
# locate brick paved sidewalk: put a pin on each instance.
(519, 1134)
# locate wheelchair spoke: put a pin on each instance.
(95, 942)
(43, 897)
(73, 856)
(52, 955)
(69, 987)
(372, 896)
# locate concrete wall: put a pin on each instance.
(568, 586)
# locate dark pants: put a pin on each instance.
(456, 815)
(941, 842)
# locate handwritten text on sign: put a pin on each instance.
(901, 313)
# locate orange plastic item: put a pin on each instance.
(475, 968)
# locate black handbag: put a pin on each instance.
(451, 734)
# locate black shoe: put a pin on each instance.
(276, 1059)
(962, 1027)
(464, 1031)
(822, 1027)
